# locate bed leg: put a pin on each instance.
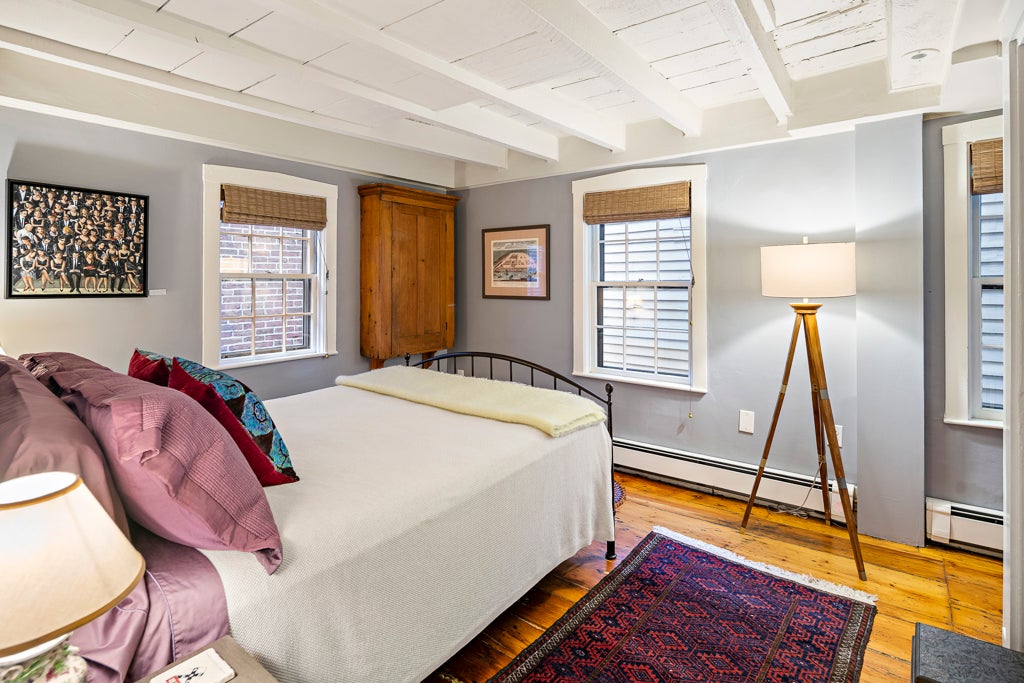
(610, 555)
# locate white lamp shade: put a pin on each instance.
(63, 560)
(810, 271)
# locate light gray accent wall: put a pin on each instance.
(771, 194)
(962, 464)
(60, 151)
(890, 329)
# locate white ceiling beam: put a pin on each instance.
(920, 41)
(466, 149)
(586, 31)
(48, 87)
(741, 23)
(504, 131)
(537, 101)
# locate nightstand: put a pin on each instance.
(247, 669)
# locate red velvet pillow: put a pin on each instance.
(208, 397)
(149, 366)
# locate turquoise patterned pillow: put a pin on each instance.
(250, 411)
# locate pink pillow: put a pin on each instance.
(44, 363)
(179, 473)
(210, 400)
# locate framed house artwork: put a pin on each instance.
(75, 242)
(515, 263)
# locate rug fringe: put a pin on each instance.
(819, 584)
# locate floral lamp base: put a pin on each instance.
(58, 665)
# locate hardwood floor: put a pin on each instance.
(944, 587)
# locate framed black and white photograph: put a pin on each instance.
(515, 263)
(75, 242)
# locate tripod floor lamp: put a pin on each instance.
(811, 271)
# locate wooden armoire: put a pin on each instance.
(407, 272)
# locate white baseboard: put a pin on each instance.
(730, 477)
(964, 525)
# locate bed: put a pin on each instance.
(412, 527)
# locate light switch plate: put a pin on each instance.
(747, 421)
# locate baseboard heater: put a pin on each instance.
(967, 526)
(730, 478)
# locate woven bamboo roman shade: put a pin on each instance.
(253, 206)
(637, 204)
(987, 166)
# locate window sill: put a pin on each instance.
(626, 379)
(267, 360)
(974, 422)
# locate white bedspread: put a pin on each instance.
(411, 529)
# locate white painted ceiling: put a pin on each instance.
(500, 89)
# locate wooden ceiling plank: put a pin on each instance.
(920, 41)
(571, 117)
(105, 65)
(587, 32)
(507, 133)
(758, 51)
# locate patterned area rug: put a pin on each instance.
(618, 494)
(679, 610)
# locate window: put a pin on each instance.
(640, 312)
(974, 272)
(268, 258)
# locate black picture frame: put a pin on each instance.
(516, 262)
(44, 219)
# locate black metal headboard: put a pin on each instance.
(468, 366)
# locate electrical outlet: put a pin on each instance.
(461, 373)
(839, 435)
(747, 421)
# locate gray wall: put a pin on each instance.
(890, 329)
(771, 194)
(963, 464)
(49, 149)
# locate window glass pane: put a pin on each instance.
(235, 338)
(673, 351)
(294, 232)
(296, 334)
(640, 307)
(642, 261)
(235, 298)
(269, 297)
(293, 255)
(234, 253)
(673, 313)
(610, 306)
(674, 260)
(992, 347)
(266, 230)
(640, 350)
(298, 297)
(266, 255)
(613, 261)
(988, 238)
(235, 228)
(269, 335)
(642, 230)
(613, 232)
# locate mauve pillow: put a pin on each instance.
(209, 399)
(149, 366)
(179, 473)
(44, 363)
(38, 433)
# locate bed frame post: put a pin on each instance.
(610, 554)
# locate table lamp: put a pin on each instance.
(63, 562)
(806, 271)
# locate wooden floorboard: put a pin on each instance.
(937, 585)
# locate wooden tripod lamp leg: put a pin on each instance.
(817, 368)
(819, 434)
(775, 421)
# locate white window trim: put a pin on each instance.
(957, 274)
(583, 321)
(213, 178)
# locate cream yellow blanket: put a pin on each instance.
(554, 412)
